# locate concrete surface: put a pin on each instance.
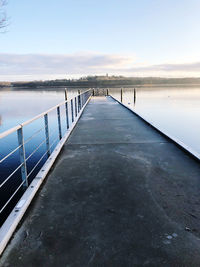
(120, 194)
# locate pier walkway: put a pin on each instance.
(120, 194)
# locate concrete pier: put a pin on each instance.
(120, 194)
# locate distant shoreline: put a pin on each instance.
(104, 82)
(50, 88)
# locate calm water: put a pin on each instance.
(19, 106)
(173, 109)
(15, 108)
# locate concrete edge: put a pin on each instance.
(11, 223)
(172, 138)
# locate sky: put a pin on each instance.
(48, 39)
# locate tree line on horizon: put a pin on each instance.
(103, 81)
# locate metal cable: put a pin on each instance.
(12, 196)
(11, 175)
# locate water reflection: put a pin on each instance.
(21, 105)
(15, 108)
(173, 109)
(176, 110)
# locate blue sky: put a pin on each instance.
(57, 39)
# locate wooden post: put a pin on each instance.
(134, 96)
(65, 94)
(107, 91)
(121, 95)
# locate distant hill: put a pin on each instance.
(105, 81)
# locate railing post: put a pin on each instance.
(107, 91)
(59, 123)
(46, 122)
(84, 99)
(66, 110)
(22, 156)
(75, 106)
(72, 110)
(121, 95)
(67, 115)
(79, 101)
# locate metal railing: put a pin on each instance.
(71, 109)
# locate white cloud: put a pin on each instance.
(44, 66)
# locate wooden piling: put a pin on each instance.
(65, 94)
(134, 96)
(121, 95)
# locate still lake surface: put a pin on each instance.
(17, 107)
(175, 110)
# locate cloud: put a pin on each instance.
(188, 67)
(51, 64)
(44, 66)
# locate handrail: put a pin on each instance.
(12, 130)
(17, 127)
(72, 107)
